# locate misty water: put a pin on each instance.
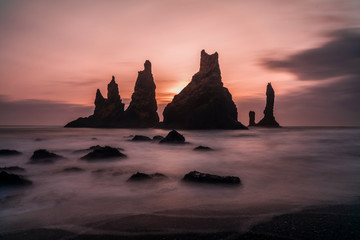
(282, 170)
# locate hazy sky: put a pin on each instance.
(55, 54)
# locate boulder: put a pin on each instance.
(252, 119)
(173, 137)
(9, 152)
(158, 138)
(72, 169)
(8, 179)
(44, 156)
(203, 148)
(103, 153)
(143, 176)
(269, 119)
(141, 138)
(204, 103)
(199, 177)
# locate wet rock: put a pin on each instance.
(44, 156)
(72, 169)
(199, 177)
(269, 119)
(158, 138)
(204, 103)
(8, 179)
(12, 169)
(142, 110)
(252, 119)
(203, 148)
(143, 176)
(9, 152)
(103, 153)
(173, 137)
(141, 138)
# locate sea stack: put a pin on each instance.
(269, 119)
(252, 119)
(204, 103)
(142, 111)
(108, 112)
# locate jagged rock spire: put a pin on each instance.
(269, 119)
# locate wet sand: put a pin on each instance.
(328, 222)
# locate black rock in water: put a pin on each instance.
(204, 103)
(173, 137)
(12, 169)
(141, 138)
(269, 119)
(72, 169)
(44, 156)
(252, 119)
(8, 179)
(203, 148)
(199, 177)
(142, 111)
(158, 138)
(143, 176)
(103, 153)
(9, 152)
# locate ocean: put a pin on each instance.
(282, 171)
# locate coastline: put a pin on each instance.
(318, 222)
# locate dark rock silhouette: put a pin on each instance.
(72, 169)
(199, 177)
(173, 137)
(8, 179)
(158, 138)
(204, 103)
(141, 138)
(44, 156)
(109, 112)
(9, 152)
(252, 119)
(142, 111)
(12, 169)
(269, 119)
(143, 176)
(103, 153)
(203, 148)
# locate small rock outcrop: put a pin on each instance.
(203, 148)
(44, 156)
(252, 119)
(9, 152)
(143, 176)
(8, 179)
(142, 111)
(199, 177)
(204, 103)
(269, 119)
(109, 112)
(140, 138)
(173, 137)
(158, 138)
(103, 153)
(72, 170)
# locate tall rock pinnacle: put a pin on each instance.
(204, 103)
(142, 111)
(269, 119)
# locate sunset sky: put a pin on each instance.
(55, 54)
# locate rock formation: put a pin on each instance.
(142, 111)
(44, 156)
(252, 119)
(269, 119)
(173, 137)
(199, 177)
(101, 153)
(109, 112)
(204, 103)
